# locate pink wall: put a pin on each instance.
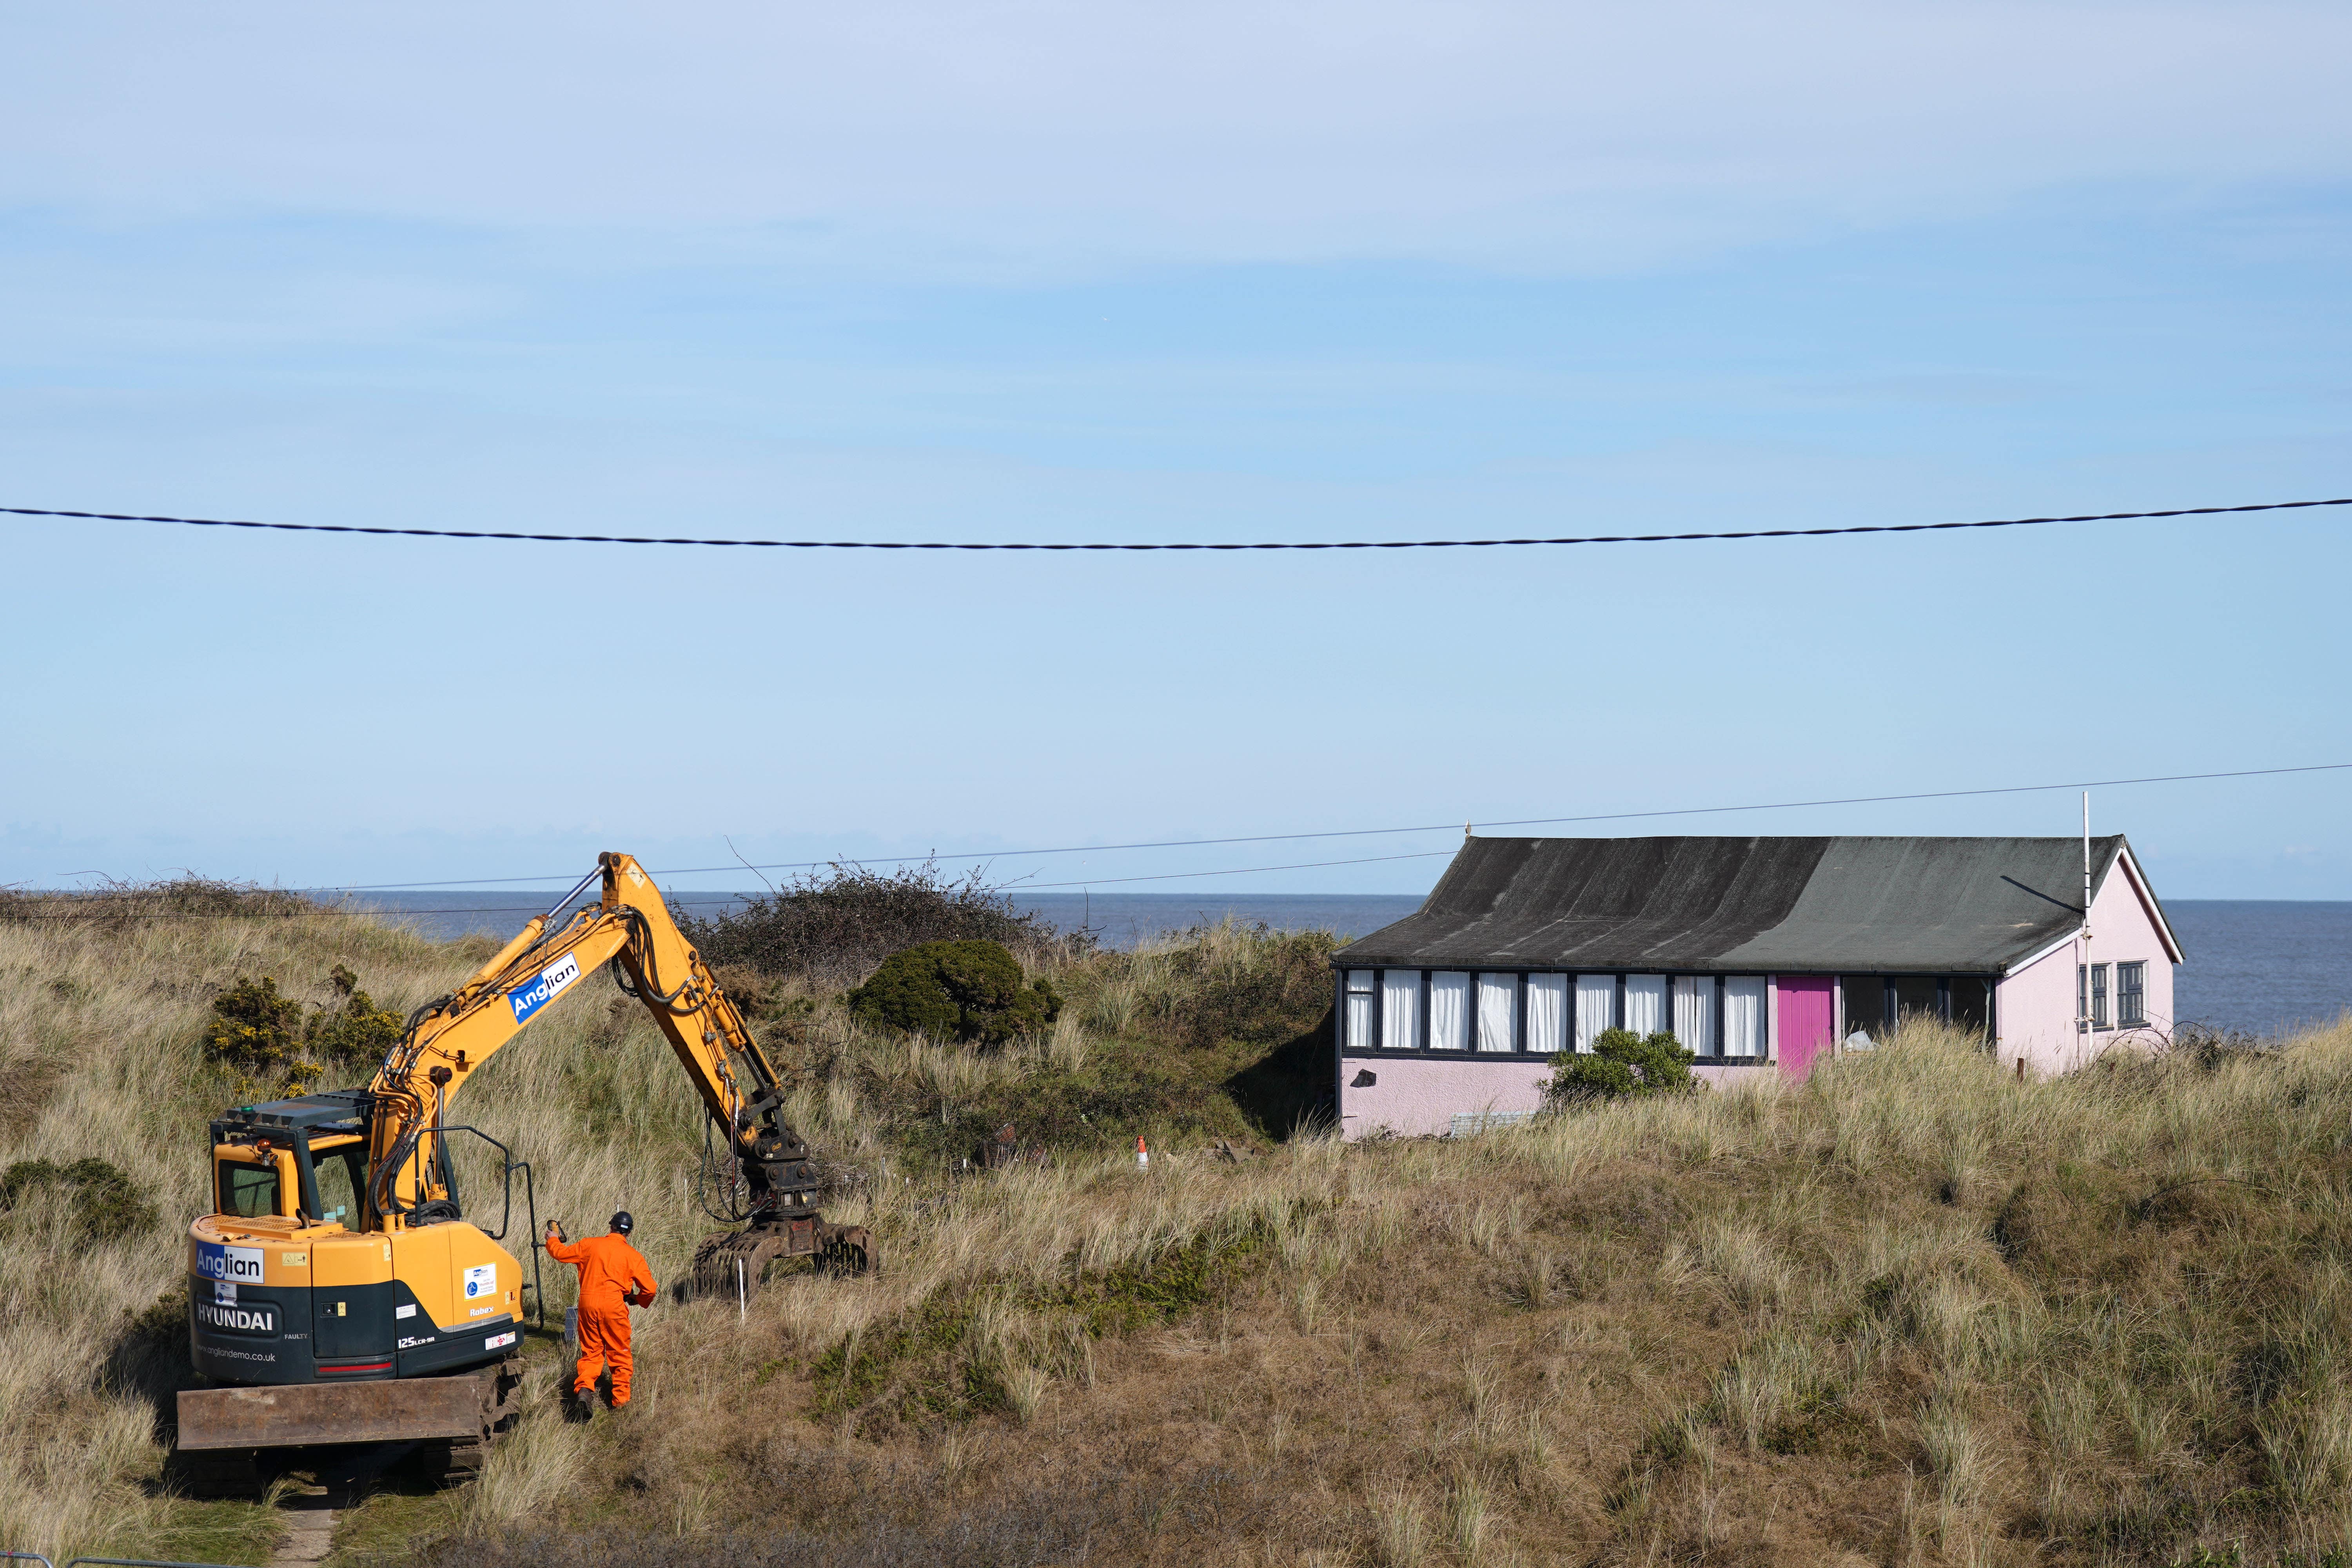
(1416, 1098)
(2035, 1005)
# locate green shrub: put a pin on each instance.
(361, 1032)
(263, 1039)
(107, 1204)
(1622, 1065)
(955, 990)
(254, 1033)
(1235, 982)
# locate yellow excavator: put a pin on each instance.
(340, 1295)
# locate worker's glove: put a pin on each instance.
(554, 1231)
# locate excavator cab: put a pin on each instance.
(292, 1279)
(302, 1159)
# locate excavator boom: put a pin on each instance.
(630, 928)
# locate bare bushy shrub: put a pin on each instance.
(834, 926)
(116, 903)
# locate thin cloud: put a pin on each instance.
(1516, 134)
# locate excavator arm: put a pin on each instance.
(630, 928)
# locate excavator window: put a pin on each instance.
(249, 1189)
(340, 1167)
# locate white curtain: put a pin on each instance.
(1695, 1013)
(1498, 1012)
(1646, 1003)
(1449, 1011)
(1596, 1007)
(1547, 1013)
(1361, 982)
(1743, 1015)
(1400, 1009)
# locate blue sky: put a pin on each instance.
(1050, 272)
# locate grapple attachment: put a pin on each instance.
(736, 1260)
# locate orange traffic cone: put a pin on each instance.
(1142, 1155)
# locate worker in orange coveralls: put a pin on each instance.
(613, 1277)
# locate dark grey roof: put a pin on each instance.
(1895, 905)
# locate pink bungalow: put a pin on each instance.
(1757, 953)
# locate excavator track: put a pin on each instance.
(307, 1417)
(449, 1463)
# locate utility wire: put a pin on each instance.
(1014, 891)
(1330, 544)
(1361, 832)
(1300, 866)
(1020, 887)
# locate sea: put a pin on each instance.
(2263, 966)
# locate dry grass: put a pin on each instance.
(1913, 1311)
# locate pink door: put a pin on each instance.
(1807, 1021)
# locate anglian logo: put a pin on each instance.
(545, 987)
(237, 1264)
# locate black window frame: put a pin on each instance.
(221, 1168)
(1880, 1025)
(353, 1156)
(1340, 1017)
(1766, 1042)
(1518, 1023)
(2131, 999)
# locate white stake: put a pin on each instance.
(2083, 944)
(742, 1297)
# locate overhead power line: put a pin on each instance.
(534, 908)
(1274, 544)
(1236, 871)
(1356, 833)
(1298, 866)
